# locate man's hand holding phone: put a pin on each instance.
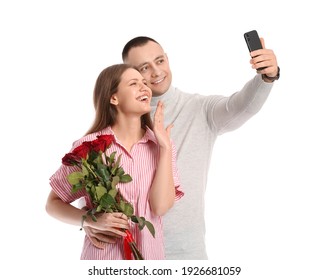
(262, 59)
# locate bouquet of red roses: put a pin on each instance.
(99, 176)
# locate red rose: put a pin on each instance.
(102, 142)
(71, 159)
(83, 150)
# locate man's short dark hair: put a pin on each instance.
(135, 42)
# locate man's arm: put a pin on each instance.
(228, 113)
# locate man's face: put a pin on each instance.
(153, 64)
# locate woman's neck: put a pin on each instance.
(128, 132)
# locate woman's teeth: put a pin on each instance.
(143, 98)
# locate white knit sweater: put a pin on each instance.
(198, 120)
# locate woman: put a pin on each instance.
(122, 104)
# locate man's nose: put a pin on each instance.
(156, 71)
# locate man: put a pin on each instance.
(198, 121)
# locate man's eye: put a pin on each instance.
(143, 69)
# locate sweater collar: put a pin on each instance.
(166, 97)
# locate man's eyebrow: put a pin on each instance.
(141, 65)
(145, 63)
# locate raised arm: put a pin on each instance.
(228, 113)
(162, 193)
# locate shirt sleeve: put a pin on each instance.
(61, 186)
(59, 183)
(178, 189)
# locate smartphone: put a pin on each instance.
(252, 40)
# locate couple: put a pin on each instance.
(198, 120)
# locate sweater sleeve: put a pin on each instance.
(228, 113)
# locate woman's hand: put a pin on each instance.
(107, 228)
(161, 134)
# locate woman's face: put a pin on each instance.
(133, 96)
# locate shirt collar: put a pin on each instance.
(148, 136)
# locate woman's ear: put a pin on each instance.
(114, 100)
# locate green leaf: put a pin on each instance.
(150, 228)
(112, 157)
(113, 192)
(126, 208)
(77, 187)
(115, 181)
(117, 163)
(100, 191)
(125, 178)
(120, 172)
(85, 171)
(142, 222)
(107, 201)
(116, 166)
(75, 178)
(134, 219)
(101, 170)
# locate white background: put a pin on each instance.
(267, 199)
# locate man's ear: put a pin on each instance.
(114, 100)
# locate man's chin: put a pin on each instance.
(158, 91)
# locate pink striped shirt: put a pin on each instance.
(140, 163)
